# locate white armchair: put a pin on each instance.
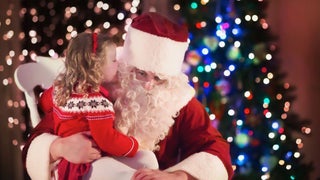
(40, 73)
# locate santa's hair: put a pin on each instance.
(148, 115)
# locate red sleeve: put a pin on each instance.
(108, 139)
(198, 134)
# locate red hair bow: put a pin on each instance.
(94, 42)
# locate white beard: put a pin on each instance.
(149, 115)
(145, 115)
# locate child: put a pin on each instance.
(80, 103)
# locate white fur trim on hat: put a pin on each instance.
(38, 157)
(202, 166)
(153, 53)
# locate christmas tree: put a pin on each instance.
(233, 66)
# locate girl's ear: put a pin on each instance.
(94, 56)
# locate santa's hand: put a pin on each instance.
(77, 148)
(146, 174)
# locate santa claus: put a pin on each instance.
(156, 105)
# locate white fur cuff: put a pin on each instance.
(38, 157)
(202, 166)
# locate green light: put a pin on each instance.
(266, 100)
(194, 5)
(200, 69)
(292, 177)
(242, 140)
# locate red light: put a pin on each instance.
(246, 111)
(206, 84)
(198, 25)
(264, 69)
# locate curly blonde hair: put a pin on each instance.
(83, 68)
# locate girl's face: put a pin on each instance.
(111, 65)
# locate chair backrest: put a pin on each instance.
(40, 73)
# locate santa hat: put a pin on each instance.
(154, 43)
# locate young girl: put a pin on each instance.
(79, 103)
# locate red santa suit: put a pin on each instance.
(192, 133)
(182, 149)
(94, 113)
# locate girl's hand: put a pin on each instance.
(77, 148)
